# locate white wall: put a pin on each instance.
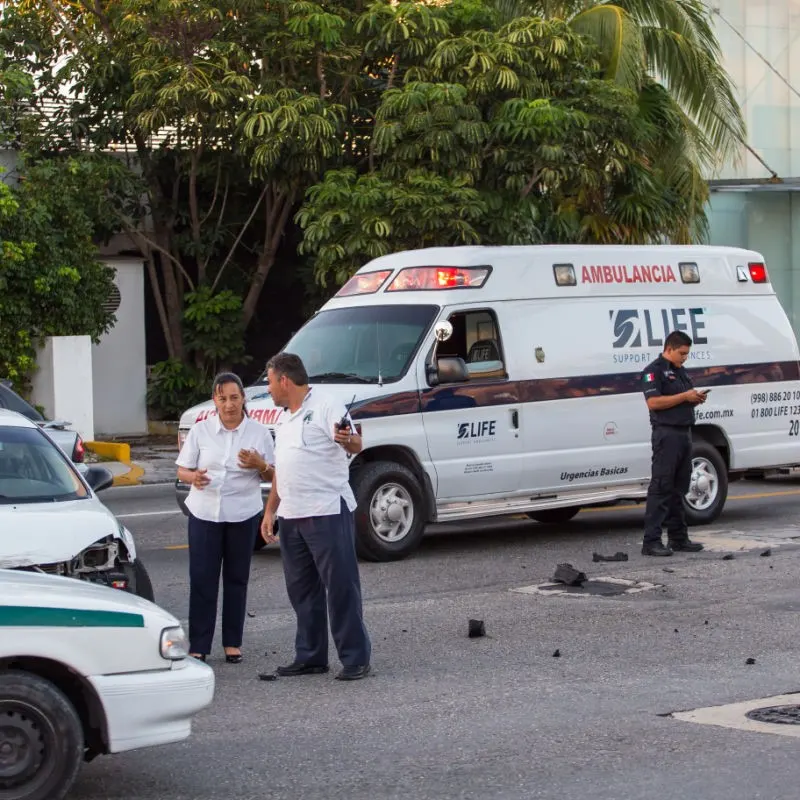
(62, 384)
(771, 109)
(119, 361)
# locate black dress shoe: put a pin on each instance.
(353, 673)
(655, 549)
(301, 668)
(234, 658)
(199, 657)
(687, 546)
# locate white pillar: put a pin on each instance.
(62, 384)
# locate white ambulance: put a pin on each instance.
(500, 380)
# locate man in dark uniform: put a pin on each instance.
(671, 399)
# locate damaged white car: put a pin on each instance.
(50, 518)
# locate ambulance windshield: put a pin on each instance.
(361, 344)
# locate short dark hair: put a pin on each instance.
(291, 366)
(676, 340)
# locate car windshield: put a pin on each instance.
(361, 344)
(32, 470)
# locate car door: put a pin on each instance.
(473, 428)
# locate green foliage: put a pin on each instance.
(214, 326)
(175, 386)
(51, 283)
(509, 136)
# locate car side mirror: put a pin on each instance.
(99, 478)
(450, 369)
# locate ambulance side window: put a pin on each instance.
(476, 339)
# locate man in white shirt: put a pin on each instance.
(312, 496)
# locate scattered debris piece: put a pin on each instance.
(771, 567)
(568, 575)
(728, 557)
(668, 569)
(251, 613)
(706, 622)
(618, 556)
(476, 628)
(676, 630)
(557, 653)
(766, 553)
(750, 661)
(267, 676)
(405, 630)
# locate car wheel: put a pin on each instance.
(143, 586)
(390, 517)
(41, 739)
(708, 489)
(554, 516)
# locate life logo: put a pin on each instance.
(635, 327)
(484, 430)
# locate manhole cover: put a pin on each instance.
(594, 587)
(780, 715)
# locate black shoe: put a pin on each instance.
(353, 673)
(234, 658)
(686, 546)
(200, 657)
(301, 668)
(655, 549)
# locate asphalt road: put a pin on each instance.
(445, 716)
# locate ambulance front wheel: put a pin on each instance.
(708, 488)
(390, 520)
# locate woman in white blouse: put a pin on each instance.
(224, 459)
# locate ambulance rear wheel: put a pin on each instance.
(390, 520)
(554, 516)
(708, 489)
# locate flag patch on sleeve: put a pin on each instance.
(649, 377)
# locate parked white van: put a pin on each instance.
(497, 380)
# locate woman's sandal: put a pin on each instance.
(233, 658)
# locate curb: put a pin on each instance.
(130, 478)
(115, 451)
(121, 452)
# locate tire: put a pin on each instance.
(554, 516)
(379, 537)
(143, 586)
(40, 719)
(703, 503)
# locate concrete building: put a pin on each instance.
(756, 204)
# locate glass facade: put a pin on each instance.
(744, 211)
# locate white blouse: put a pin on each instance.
(233, 494)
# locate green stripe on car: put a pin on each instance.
(41, 617)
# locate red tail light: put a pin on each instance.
(758, 273)
(79, 452)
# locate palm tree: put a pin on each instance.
(670, 41)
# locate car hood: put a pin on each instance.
(48, 533)
(32, 589)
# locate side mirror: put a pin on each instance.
(443, 330)
(99, 478)
(451, 369)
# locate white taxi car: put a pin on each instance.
(86, 670)
(51, 520)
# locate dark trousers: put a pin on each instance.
(669, 482)
(319, 562)
(213, 546)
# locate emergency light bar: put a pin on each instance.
(418, 279)
(365, 283)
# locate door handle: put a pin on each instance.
(515, 419)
